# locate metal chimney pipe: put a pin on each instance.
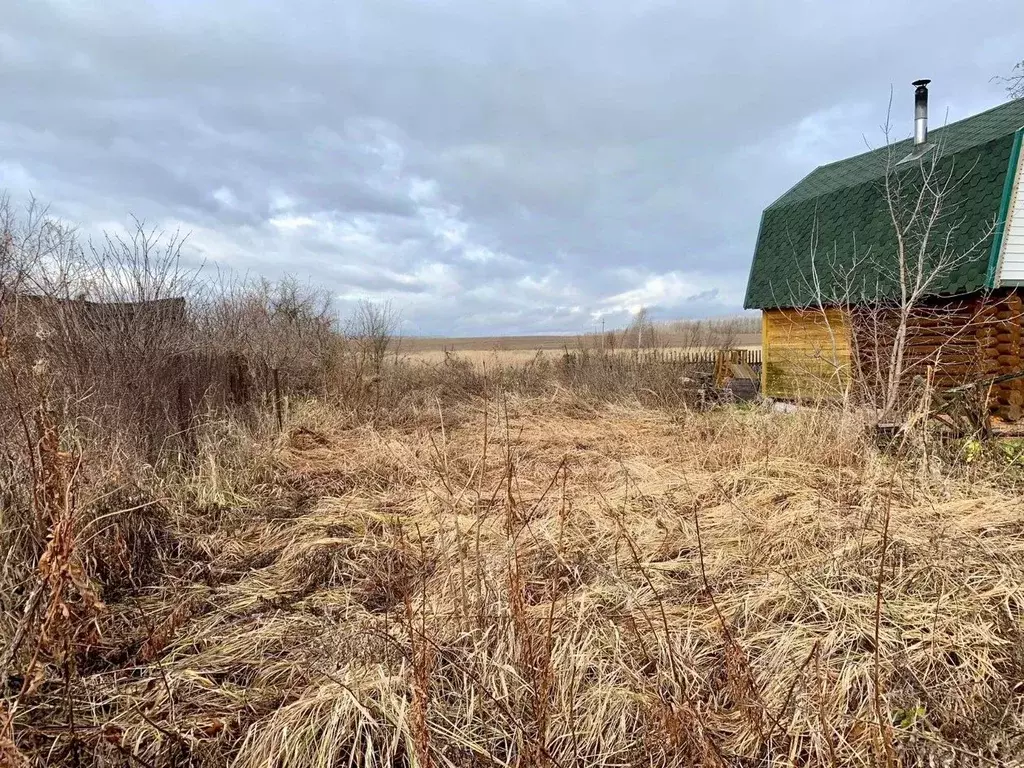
(920, 112)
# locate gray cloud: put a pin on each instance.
(491, 167)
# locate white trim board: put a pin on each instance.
(1011, 257)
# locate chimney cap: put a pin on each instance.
(920, 83)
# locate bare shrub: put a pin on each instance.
(713, 333)
(369, 335)
(372, 329)
(106, 324)
(112, 322)
(284, 325)
(265, 341)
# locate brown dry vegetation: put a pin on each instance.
(542, 581)
(558, 563)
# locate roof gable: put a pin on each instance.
(833, 230)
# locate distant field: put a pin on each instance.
(531, 344)
(417, 344)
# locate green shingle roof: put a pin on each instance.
(833, 230)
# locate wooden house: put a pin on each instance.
(942, 213)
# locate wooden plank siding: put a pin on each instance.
(806, 353)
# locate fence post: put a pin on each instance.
(277, 402)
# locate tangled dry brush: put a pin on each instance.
(532, 581)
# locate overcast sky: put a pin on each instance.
(492, 166)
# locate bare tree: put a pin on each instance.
(282, 328)
(372, 328)
(725, 333)
(32, 244)
(691, 334)
(1015, 82)
(640, 333)
(922, 202)
(714, 333)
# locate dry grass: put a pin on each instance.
(549, 582)
(481, 358)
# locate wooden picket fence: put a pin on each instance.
(685, 357)
(702, 360)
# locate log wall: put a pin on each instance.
(962, 341)
(999, 337)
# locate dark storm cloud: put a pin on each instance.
(492, 167)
